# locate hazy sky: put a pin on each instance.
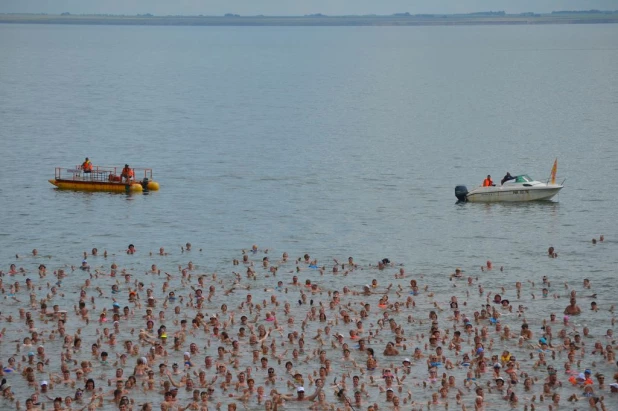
(295, 7)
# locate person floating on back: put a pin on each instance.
(487, 182)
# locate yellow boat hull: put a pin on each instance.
(116, 187)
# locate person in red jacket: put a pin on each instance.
(488, 182)
(87, 166)
(127, 173)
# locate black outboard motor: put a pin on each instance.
(144, 183)
(461, 192)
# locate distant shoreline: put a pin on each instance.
(402, 19)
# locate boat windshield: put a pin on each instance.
(523, 179)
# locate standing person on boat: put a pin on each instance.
(488, 182)
(127, 173)
(87, 166)
(506, 178)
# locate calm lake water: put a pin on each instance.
(335, 140)
(332, 141)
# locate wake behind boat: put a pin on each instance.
(515, 189)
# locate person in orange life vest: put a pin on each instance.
(127, 173)
(487, 182)
(87, 166)
(581, 379)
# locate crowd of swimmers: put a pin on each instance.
(275, 335)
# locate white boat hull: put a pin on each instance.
(541, 192)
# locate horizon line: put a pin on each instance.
(488, 13)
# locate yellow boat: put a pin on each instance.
(103, 179)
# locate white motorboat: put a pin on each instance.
(520, 188)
